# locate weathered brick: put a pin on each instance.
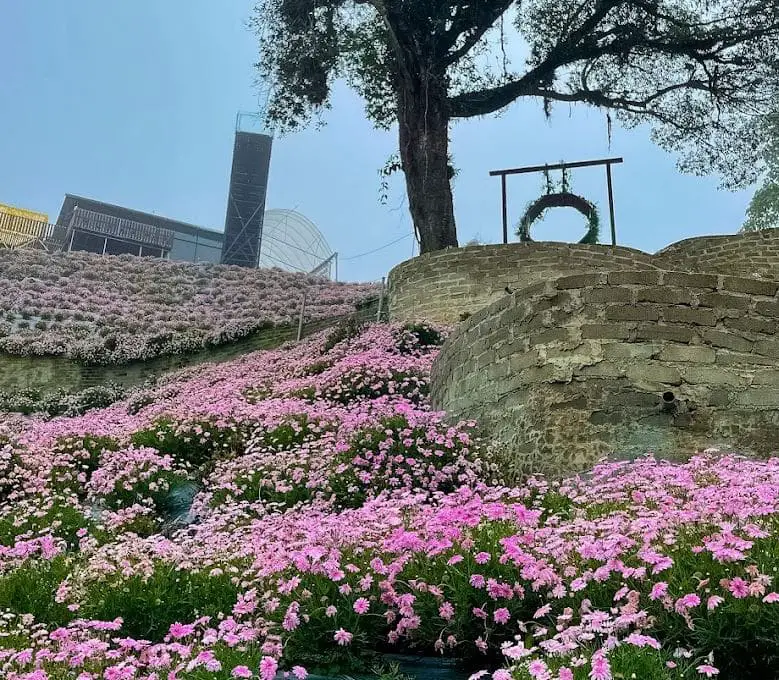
(629, 351)
(697, 375)
(603, 369)
(751, 286)
(768, 348)
(752, 325)
(727, 358)
(580, 281)
(605, 331)
(644, 278)
(690, 280)
(724, 301)
(551, 335)
(766, 377)
(665, 332)
(608, 294)
(632, 313)
(519, 362)
(726, 340)
(650, 372)
(761, 397)
(692, 355)
(666, 294)
(699, 317)
(768, 308)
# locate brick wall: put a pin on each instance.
(447, 285)
(749, 254)
(576, 368)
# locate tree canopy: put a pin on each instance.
(763, 211)
(701, 73)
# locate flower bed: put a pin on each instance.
(336, 519)
(116, 309)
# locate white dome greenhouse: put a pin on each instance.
(294, 243)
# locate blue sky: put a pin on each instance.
(134, 103)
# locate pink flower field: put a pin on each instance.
(117, 309)
(303, 511)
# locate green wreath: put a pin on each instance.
(563, 198)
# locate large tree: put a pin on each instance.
(699, 71)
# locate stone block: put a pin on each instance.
(687, 354)
(768, 348)
(751, 324)
(726, 358)
(608, 294)
(751, 286)
(690, 280)
(665, 332)
(665, 294)
(580, 280)
(724, 301)
(603, 369)
(768, 309)
(726, 340)
(605, 331)
(762, 397)
(551, 335)
(647, 277)
(628, 351)
(704, 375)
(698, 317)
(765, 377)
(519, 362)
(632, 313)
(538, 374)
(650, 372)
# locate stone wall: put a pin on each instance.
(447, 285)
(754, 253)
(51, 374)
(567, 371)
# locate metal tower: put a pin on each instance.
(246, 200)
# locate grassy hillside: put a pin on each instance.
(304, 510)
(116, 309)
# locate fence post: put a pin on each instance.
(381, 300)
(300, 320)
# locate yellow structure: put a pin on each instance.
(20, 227)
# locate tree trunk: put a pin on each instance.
(424, 152)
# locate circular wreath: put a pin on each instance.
(561, 199)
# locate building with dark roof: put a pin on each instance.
(99, 227)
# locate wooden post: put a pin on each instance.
(300, 320)
(381, 300)
(611, 205)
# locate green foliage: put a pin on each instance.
(51, 516)
(77, 458)
(191, 443)
(150, 606)
(763, 211)
(30, 589)
(60, 403)
(628, 661)
(345, 330)
(416, 336)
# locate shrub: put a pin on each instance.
(192, 442)
(149, 606)
(417, 337)
(31, 588)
